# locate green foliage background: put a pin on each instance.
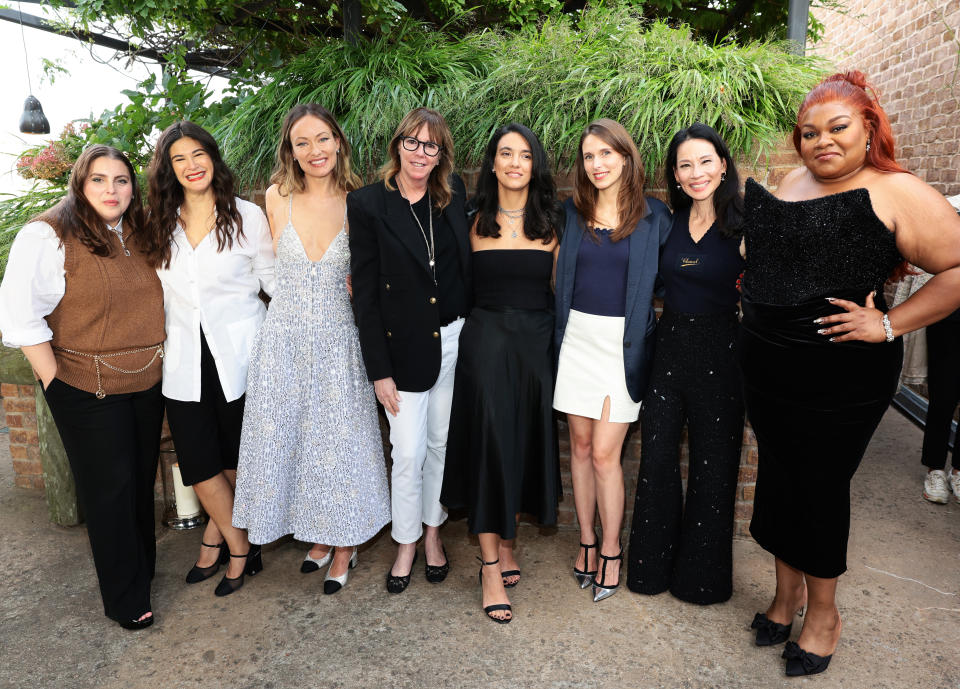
(555, 78)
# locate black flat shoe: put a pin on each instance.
(137, 625)
(770, 633)
(436, 573)
(198, 574)
(254, 564)
(397, 584)
(800, 662)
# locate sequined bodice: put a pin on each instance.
(312, 289)
(798, 250)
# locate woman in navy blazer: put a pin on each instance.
(606, 270)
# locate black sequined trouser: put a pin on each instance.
(688, 549)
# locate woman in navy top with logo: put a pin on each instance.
(606, 268)
(695, 382)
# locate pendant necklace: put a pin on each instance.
(431, 248)
(513, 216)
(118, 230)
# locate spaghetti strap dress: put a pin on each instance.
(813, 404)
(311, 455)
(502, 447)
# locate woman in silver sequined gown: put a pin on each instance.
(311, 455)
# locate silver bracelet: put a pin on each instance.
(887, 328)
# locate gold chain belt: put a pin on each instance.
(99, 359)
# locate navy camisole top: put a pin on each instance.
(600, 282)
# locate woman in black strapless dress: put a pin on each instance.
(820, 358)
(502, 447)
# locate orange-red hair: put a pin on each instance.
(853, 88)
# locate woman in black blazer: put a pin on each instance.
(410, 263)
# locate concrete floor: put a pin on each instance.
(900, 602)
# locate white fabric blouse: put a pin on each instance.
(218, 291)
(33, 285)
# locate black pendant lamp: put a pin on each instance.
(32, 121)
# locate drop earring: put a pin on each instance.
(868, 145)
(679, 187)
(723, 177)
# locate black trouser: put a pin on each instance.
(943, 383)
(695, 382)
(113, 445)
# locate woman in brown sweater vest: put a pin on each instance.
(81, 302)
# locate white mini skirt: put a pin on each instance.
(591, 369)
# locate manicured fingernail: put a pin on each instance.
(830, 298)
(832, 339)
(822, 331)
(818, 321)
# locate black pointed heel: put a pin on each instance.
(496, 606)
(800, 662)
(770, 633)
(198, 574)
(254, 564)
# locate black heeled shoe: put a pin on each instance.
(436, 573)
(137, 625)
(770, 633)
(198, 574)
(496, 606)
(397, 584)
(585, 577)
(510, 573)
(254, 564)
(800, 662)
(601, 591)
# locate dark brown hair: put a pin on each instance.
(73, 216)
(439, 181)
(165, 194)
(631, 204)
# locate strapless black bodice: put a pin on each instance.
(517, 278)
(798, 250)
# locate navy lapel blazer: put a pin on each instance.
(646, 239)
(395, 298)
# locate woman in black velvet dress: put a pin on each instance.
(820, 356)
(686, 546)
(502, 448)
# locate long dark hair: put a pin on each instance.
(631, 204)
(543, 211)
(73, 216)
(165, 194)
(727, 200)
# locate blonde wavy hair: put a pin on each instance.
(287, 174)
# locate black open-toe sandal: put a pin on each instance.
(137, 624)
(496, 606)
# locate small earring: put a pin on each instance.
(493, 170)
(868, 145)
(338, 150)
(679, 187)
(723, 176)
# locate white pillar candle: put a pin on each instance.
(187, 504)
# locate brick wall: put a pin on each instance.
(20, 411)
(909, 50)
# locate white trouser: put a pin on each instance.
(418, 434)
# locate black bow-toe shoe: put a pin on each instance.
(770, 633)
(800, 662)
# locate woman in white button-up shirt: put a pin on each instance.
(213, 253)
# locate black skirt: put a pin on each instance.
(502, 445)
(814, 405)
